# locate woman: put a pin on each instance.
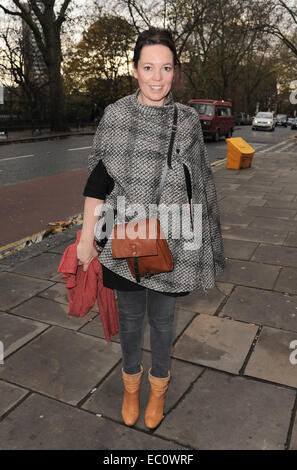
(127, 157)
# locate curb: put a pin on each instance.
(53, 229)
(45, 137)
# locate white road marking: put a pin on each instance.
(255, 144)
(274, 146)
(12, 158)
(288, 145)
(79, 148)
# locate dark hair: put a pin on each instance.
(153, 36)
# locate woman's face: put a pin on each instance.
(155, 72)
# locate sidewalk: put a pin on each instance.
(233, 385)
(46, 134)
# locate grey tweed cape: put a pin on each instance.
(132, 139)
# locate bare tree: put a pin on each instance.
(284, 24)
(45, 24)
(19, 64)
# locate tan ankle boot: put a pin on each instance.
(130, 405)
(154, 411)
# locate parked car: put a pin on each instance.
(290, 119)
(240, 119)
(294, 123)
(281, 120)
(248, 120)
(264, 120)
(216, 117)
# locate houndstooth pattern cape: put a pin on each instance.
(132, 139)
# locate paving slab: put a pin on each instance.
(247, 273)
(227, 207)
(58, 278)
(264, 182)
(276, 198)
(232, 178)
(270, 359)
(62, 364)
(239, 249)
(291, 239)
(289, 189)
(202, 302)
(41, 423)
(215, 342)
(256, 233)
(42, 266)
(57, 292)
(224, 412)
(257, 202)
(228, 218)
(54, 240)
(287, 281)
(226, 288)
(16, 331)
(281, 204)
(288, 178)
(246, 174)
(275, 225)
(293, 444)
(235, 200)
(222, 185)
(262, 308)
(275, 213)
(272, 254)
(248, 189)
(107, 398)
(182, 318)
(52, 313)
(61, 248)
(220, 196)
(10, 396)
(15, 288)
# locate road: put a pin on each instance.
(43, 182)
(261, 141)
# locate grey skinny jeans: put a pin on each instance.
(132, 306)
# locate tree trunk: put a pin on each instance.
(53, 60)
(57, 104)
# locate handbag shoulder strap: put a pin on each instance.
(168, 161)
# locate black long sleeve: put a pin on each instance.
(99, 183)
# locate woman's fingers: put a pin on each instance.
(86, 264)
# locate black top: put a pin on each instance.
(98, 185)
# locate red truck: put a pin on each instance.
(216, 117)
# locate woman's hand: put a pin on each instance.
(86, 251)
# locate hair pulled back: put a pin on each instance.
(153, 36)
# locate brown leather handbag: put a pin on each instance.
(148, 254)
